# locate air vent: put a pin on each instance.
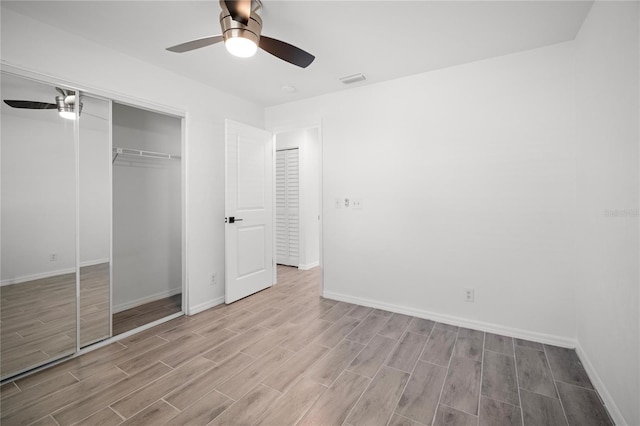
(350, 79)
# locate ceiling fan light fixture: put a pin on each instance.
(241, 47)
(66, 109)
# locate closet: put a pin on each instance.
(91, 222)
(147, 221)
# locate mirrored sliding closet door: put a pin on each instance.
(38, 302)
(91, 222)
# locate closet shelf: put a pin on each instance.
(146, 154)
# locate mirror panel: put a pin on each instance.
(94, 217)
(38, 230)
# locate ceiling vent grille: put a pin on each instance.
(350, 79)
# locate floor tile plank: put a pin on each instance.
(566, 366)
(582, 406)
(534, 373)
(447, 416)
(541, 410)
(331, 366)
(335, 403)
(289, 373)
(396, 326)
(293, 404)
(153, 414)
(406, 353)
(421, 326)
(420, 398)
(379, 400)
(248, 378)
(439, 347)
(469, 344)
(498, 343)
(250, 408)
(189, 393)
(496, 413)
(84, 407)
(203, 411)
(369, 327)
(341, 328)
(147, 395)
(372, 356)
(499, 380)
(462, 387)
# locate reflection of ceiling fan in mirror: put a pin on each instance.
(241, 32)
(65, 104)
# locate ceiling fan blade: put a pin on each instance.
(240, 10)
(195, 44)
(30, 104)
(286, 51)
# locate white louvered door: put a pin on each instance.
(287, 207)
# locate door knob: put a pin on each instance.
(233, 220)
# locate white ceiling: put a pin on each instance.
(381, 39)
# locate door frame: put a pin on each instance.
(316, 124)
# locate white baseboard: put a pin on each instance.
(33, 277)
(308, 266)
(49, 274)
(597, 382)
(550, 339)
(204, 306)
(147, 299)
(93, 262)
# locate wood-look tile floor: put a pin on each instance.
(286, 356)
(144, 314)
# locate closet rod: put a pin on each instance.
(146, 154)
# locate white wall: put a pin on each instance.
(38, 197)
(94, 182)
(308, 143)
(33, 45)
(147, 245)
(607, 200)
(467, 177)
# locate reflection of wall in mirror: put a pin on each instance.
(38, 197)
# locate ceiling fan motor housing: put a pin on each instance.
(232, 29)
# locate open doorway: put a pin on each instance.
(298, 203)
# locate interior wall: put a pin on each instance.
(607, 110)
(467, 179)
(30, 44)
(38, 197)
(308, 143)
(147, 245)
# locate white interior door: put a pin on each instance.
(287, 207)
(249, 211)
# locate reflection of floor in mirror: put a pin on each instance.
(94, 303)
(144, 314)
(39, 317)
(38, 322)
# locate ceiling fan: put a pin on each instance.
(65, 104)
(241, 26)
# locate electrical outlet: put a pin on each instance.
(53, 257)
(469, 294)
(346, 203)
(214, 280)
(338, 203)
(356, 203)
